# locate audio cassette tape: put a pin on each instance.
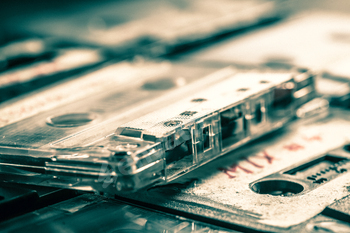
(149, 28)
(149, 131)
(295, 179)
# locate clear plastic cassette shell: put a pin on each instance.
(119, 90)
(147, 141)
(275, 184)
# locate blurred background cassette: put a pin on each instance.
(28, 65)
(45, 42)
(152, 27)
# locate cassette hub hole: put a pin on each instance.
(70, 120)
(277, 187)
(199, 100)
(243, 89)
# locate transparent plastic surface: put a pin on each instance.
(146, 141)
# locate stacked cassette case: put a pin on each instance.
(150, 129)
(31, 63)
(293, 180)
(150, 28)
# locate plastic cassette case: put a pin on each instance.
(150, 27)
(287, 181)
(31, 63)
(137, 136)
(321, 47)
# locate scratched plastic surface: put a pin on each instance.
(97, 96)
(223, 186)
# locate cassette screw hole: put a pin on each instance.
(302, 70)
(172, 123)
(277, 187)
(199, 100)
(243, 89)
(347, 148)
(70, 120)
(264, 81)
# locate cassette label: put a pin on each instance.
(283, 180)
